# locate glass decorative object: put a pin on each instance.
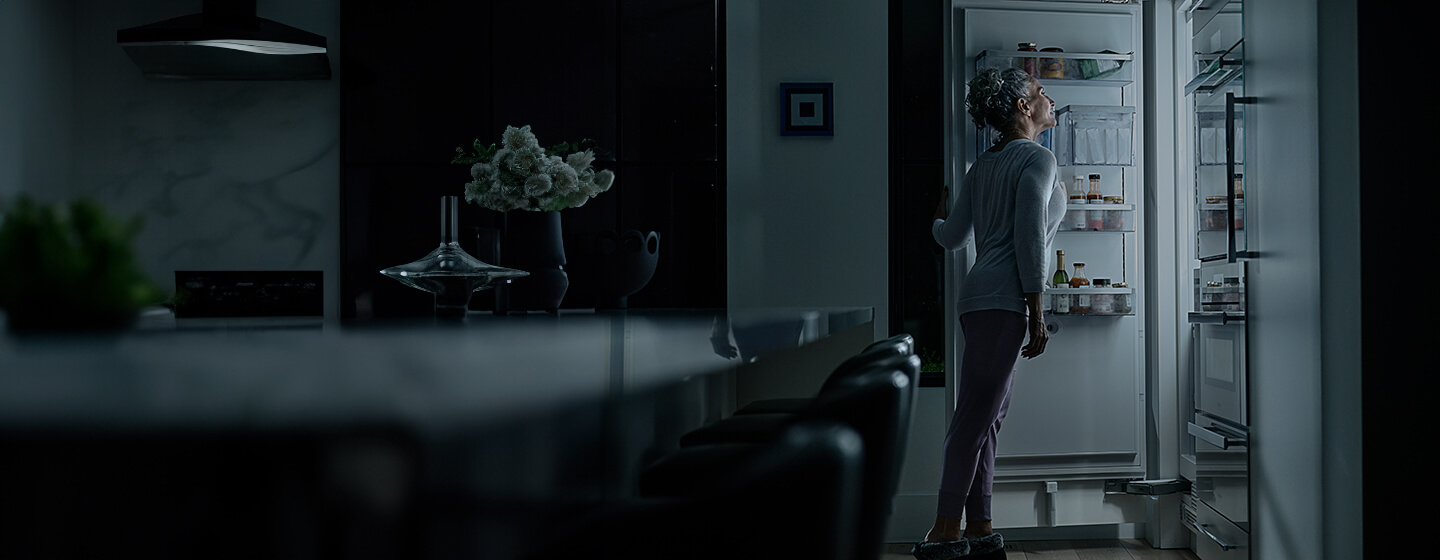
(448, 271)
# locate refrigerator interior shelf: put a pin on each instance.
(1125, 230)
(1091, 69)
(1090, 291)
(1102, 207)
(1032, 54)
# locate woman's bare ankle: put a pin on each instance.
(944, 530)
(977, 529)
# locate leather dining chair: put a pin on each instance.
(876, 403)
(901, 344)
(797, 497)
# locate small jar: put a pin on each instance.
(1102, 304)
(1029, 62)
(1095, 219)
(1122, 301)
(1052, 68)
(1116, 220)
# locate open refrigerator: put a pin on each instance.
(1076, 429)
(1088, 419)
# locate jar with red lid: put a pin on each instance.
(1030, 63)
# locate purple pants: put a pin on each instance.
(992, 344)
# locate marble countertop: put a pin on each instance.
(266, 374)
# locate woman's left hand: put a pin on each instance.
(1038, 338)
(942, 209)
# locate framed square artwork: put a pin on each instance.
(808, 109)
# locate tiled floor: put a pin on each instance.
(1125, 549)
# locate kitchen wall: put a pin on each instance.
(808, 217)
(36, 107)
(228, 175)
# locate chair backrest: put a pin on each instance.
(889, 350)
(899, 339)
(877, 403)
(809, 481)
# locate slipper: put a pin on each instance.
(945, 550)
(986, 544)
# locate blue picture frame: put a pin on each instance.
(807, 109)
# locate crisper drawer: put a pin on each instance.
(1222, 469)
(1216, 538)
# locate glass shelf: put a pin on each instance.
(1119, 301)
(1082, 69)
(1217, 70)
(1098, 218)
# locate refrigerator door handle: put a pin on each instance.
(1216, 317)
(1224, 546)
(1230, 101)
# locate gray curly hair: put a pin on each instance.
(991, 95)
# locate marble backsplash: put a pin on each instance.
(227, 175)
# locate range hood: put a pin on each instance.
(226, 41)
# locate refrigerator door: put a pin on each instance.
(1215, 96)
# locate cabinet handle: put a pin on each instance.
(1223, 545)
(1215, 438)
(1215, 317)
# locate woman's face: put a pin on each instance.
(1042, 108)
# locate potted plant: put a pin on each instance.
(69, 268)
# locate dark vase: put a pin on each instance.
(626, 264)
(533, 242)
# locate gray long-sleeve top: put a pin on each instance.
(1012, 205)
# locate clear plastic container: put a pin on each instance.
(1094, 135)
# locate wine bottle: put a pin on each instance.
(1061, 303)
(1061, 279)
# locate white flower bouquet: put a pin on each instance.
(520, 175)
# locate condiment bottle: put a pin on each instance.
(1029, 62)
(1239, 181)
(1094, 219)
(1075, 218)
(1081, 302)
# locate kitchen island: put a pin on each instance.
(305, 438)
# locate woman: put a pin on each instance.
(1011, 204)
